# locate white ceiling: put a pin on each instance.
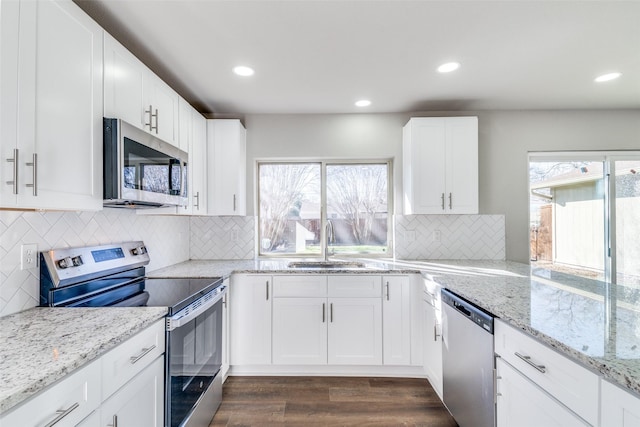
(322, 56)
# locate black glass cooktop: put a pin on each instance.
(178, 293)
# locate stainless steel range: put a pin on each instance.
(114, 276)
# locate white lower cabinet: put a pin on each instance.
(123, 388)
(568, 382)
(432, 339)
(396, 320)
(355, 331)
(619, 408)
(69, 401)
(521, 403)
(300, 331)
(140, 403)
(250, 319)
(319, 320)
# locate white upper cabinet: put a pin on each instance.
(52, 138)
(198, 164)
(136, 95)
(227, 167)
(440, 165)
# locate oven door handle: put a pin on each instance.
(184, 316)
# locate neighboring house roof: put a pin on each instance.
(590, 173)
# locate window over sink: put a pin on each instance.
(308, 208)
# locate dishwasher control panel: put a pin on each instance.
(469, 310)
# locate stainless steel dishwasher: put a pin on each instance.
(467, 362)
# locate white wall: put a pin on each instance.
(504, 141)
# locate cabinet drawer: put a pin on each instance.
(77, 395)
(573, 385)
(132, 356)
(300, 286)
(356, 285)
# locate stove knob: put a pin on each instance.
(64, 263)
(77, 261)
(141, 250)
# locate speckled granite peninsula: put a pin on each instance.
(597, 325)
(41, 345)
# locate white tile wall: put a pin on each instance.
(460, 237)
(224, 237)
(166, 237)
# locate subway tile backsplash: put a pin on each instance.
(450, 237)
(222, 237)
(173, 239)
(166, 237)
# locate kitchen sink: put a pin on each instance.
(326, 264)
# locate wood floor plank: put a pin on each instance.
(330, 401)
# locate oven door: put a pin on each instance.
(194, 357)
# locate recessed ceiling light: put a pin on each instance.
(607, 77)
(448, 67)
(363, 103)
(244, 71)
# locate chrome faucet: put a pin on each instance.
(331, 237)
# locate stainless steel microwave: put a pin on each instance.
(140, 170)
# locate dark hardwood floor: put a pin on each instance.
(330, 401)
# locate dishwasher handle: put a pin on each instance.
(461, 308)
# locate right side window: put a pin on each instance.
(585, 215)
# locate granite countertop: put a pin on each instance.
(584, 319)
(224, 268)
(42, 345)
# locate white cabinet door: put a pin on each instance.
(355, 331)
(140, 403)
(300, 331)
(619, 408)
(133, 93)
(124, 77)
(227, 167)
(164, 103)
(440, 165)
(198, 164)
(396, 324)
(461, 165)
(432, 346)
(9, 32)
(59, 116)
(250, 319)
(521, 403)
(224, 369)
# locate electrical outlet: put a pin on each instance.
(234, 235)
(437, 236)
(410, 236)
(28, 256)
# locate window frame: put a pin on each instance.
(323, 162)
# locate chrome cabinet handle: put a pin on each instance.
(60, 414)
(143, 353)
(151, 117)
(331, 312)
(442, 200)
(15, 171)
(114, 423)
(197, 197)
(267, 288)
(435, 333)
(387, 291)
(450, 201)
(324, 307)
(34, 163)
(234, 202)
(527, 360)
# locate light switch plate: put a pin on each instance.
(28, 256)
